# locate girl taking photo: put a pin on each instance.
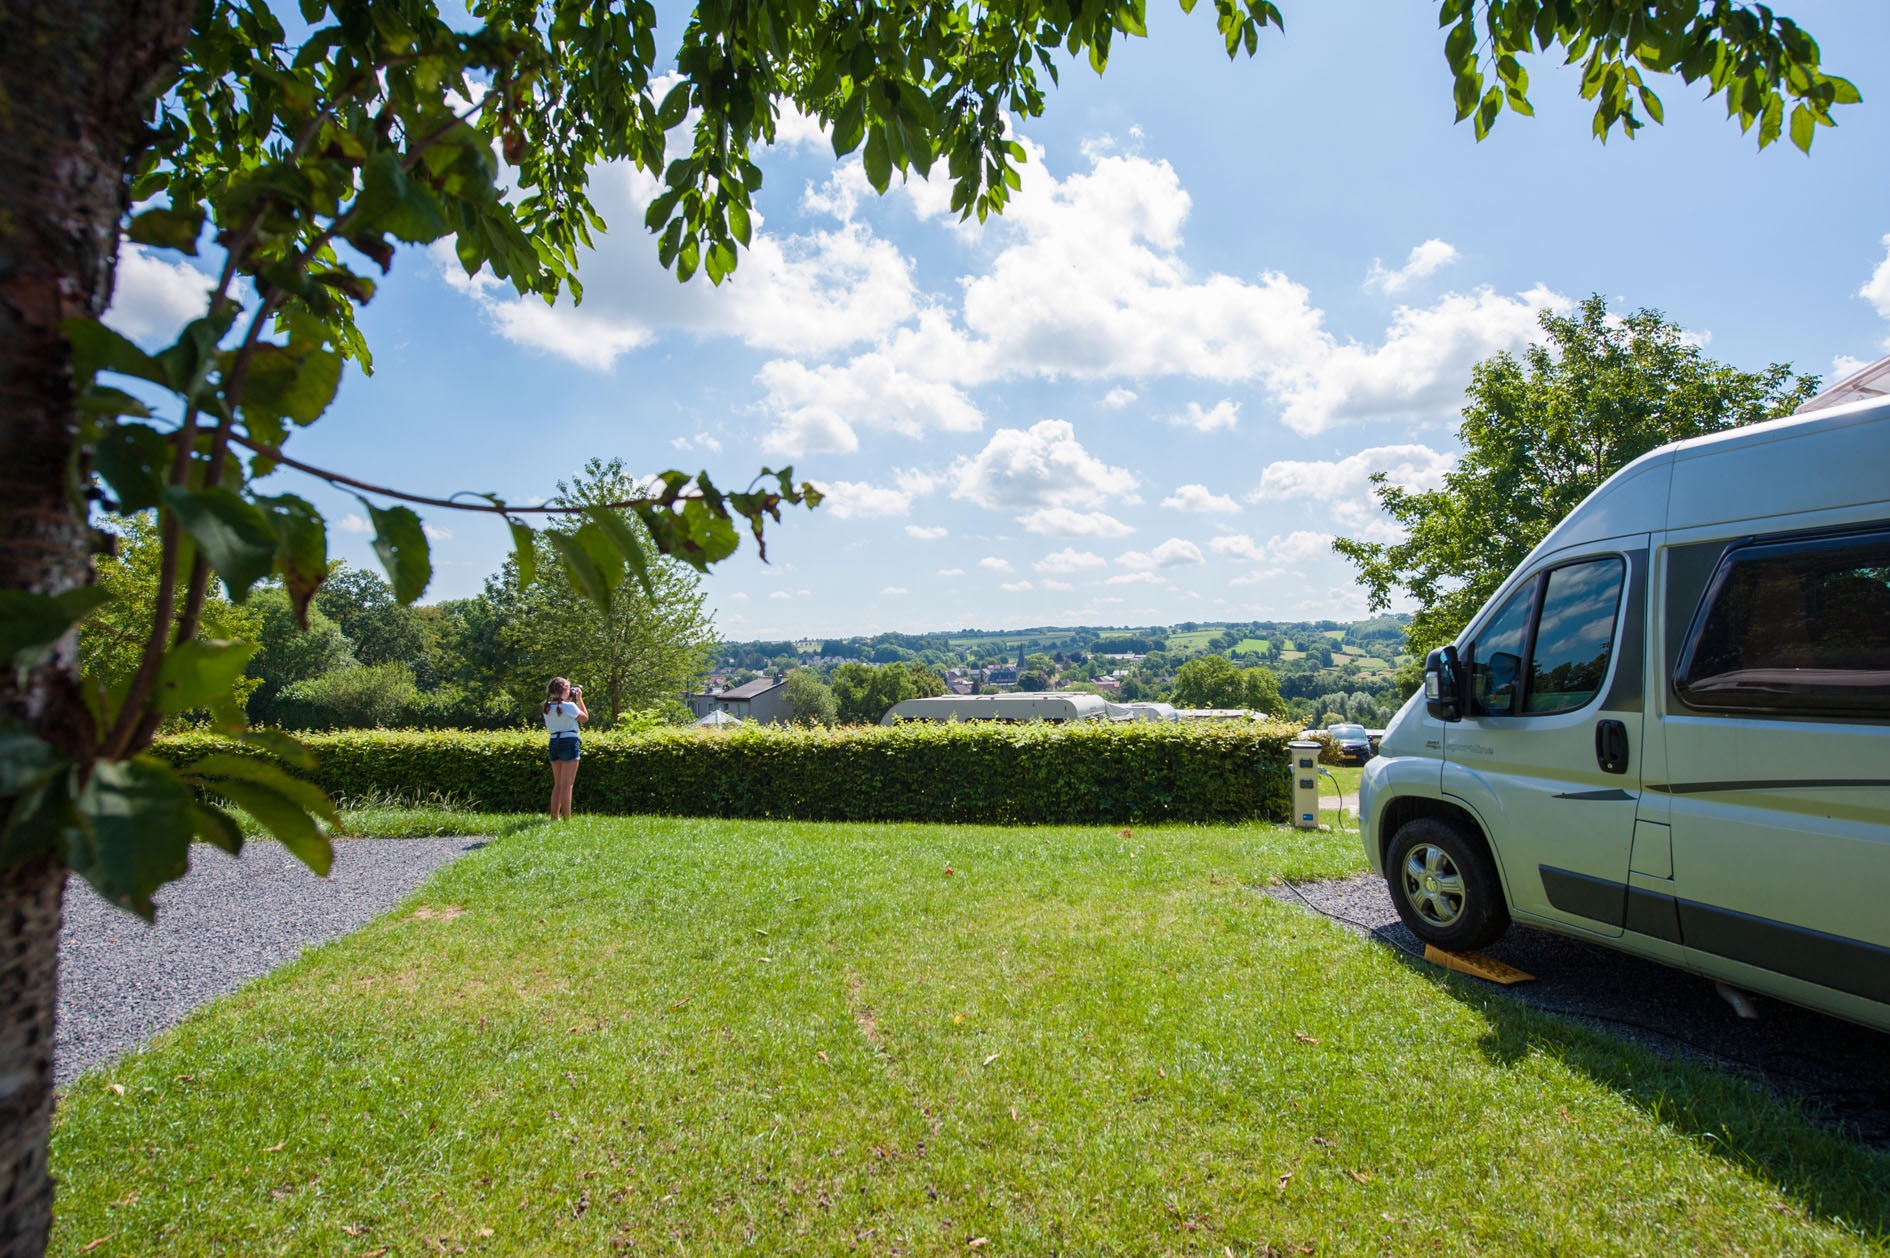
(564, 710)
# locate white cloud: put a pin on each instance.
(1176, 552)
(1294, 547)
(780, 594)
(995, 564)
(895, 589)
(951, 572)
(355, 523)
(1424, 259)
(1118, 398)
(850, 499)
(739, 597)
(1064, 522)
(1041, 466)
(701, 441)
(437, 534)
(1015, 587)
(152, 298)
(1199, 498)
(926, 532)
(891, 387)
(1343, 486)
(1069, 560)
(1057, 585)
(1844, 365)
(1090, 283)
(813, 293)
(1876, 289)
(1223, 414)
(1135, 578)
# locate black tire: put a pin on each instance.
(1444, 885)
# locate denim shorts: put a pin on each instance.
(563, 747)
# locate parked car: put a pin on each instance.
(1351, 743)
(1668, 731)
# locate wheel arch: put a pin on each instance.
(1402, 809)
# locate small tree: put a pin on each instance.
(809, 698)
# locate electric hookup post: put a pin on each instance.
(1304, 753)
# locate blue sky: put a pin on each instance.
(1154, 390)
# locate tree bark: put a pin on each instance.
(77, 78)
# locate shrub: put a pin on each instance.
(1005, 774)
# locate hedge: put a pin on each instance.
(973, 773)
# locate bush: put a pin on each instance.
(1004, 774)
(362, 696)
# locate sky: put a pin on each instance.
(1154, 389)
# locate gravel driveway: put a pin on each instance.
(1835, 1068)
(225, 922)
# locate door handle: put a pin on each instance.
(1611, 746)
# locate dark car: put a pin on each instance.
(1354, 745)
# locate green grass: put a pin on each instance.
(718, 1037)
(1191, 639)
(1253, 646)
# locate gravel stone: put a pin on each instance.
(1833, 1068)
(229, 920)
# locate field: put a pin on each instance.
(701, 1036)
(1191, 639)
(1253, 646)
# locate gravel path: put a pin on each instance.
(224, 923)
(1835, 1068)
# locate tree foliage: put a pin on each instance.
(646, 645)
(1541, 433)
(810, 699)
(1214, 681)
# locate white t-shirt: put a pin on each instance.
(561, 718)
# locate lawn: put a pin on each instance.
(718, 1037)
(1253, 646)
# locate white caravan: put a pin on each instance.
(1669, 730)
(1023, 705)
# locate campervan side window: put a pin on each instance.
(1525, 664)
(1798, 628)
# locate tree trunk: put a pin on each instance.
(76, 80)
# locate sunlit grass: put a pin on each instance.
(713, 1037)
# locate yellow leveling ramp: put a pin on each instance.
(1476, 965)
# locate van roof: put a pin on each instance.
(1831, 458)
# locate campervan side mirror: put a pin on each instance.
(1443, 684)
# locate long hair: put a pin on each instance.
(554, 692)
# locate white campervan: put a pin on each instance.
(1669, 730)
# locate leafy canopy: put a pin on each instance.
(1539, 435)
(307, 161)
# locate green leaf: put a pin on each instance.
(675, 106)
(97, 348)
(623, 536)
(26, 759)
(1804, 126)
(526, 550)
(222, 766)
(393, 201)
(877, 159)
(216, 827)
(401, 542)
(283, 817)
(586, 578)
(134, 459)
(135, 824)
(103, 400)
(31, 623)
(233, 534)
(285, 747)
(738, 222)
(40, 818)
(198, 674)
(301, 548)
(285, 382)
(168, 228)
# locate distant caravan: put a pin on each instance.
(1039, 705)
